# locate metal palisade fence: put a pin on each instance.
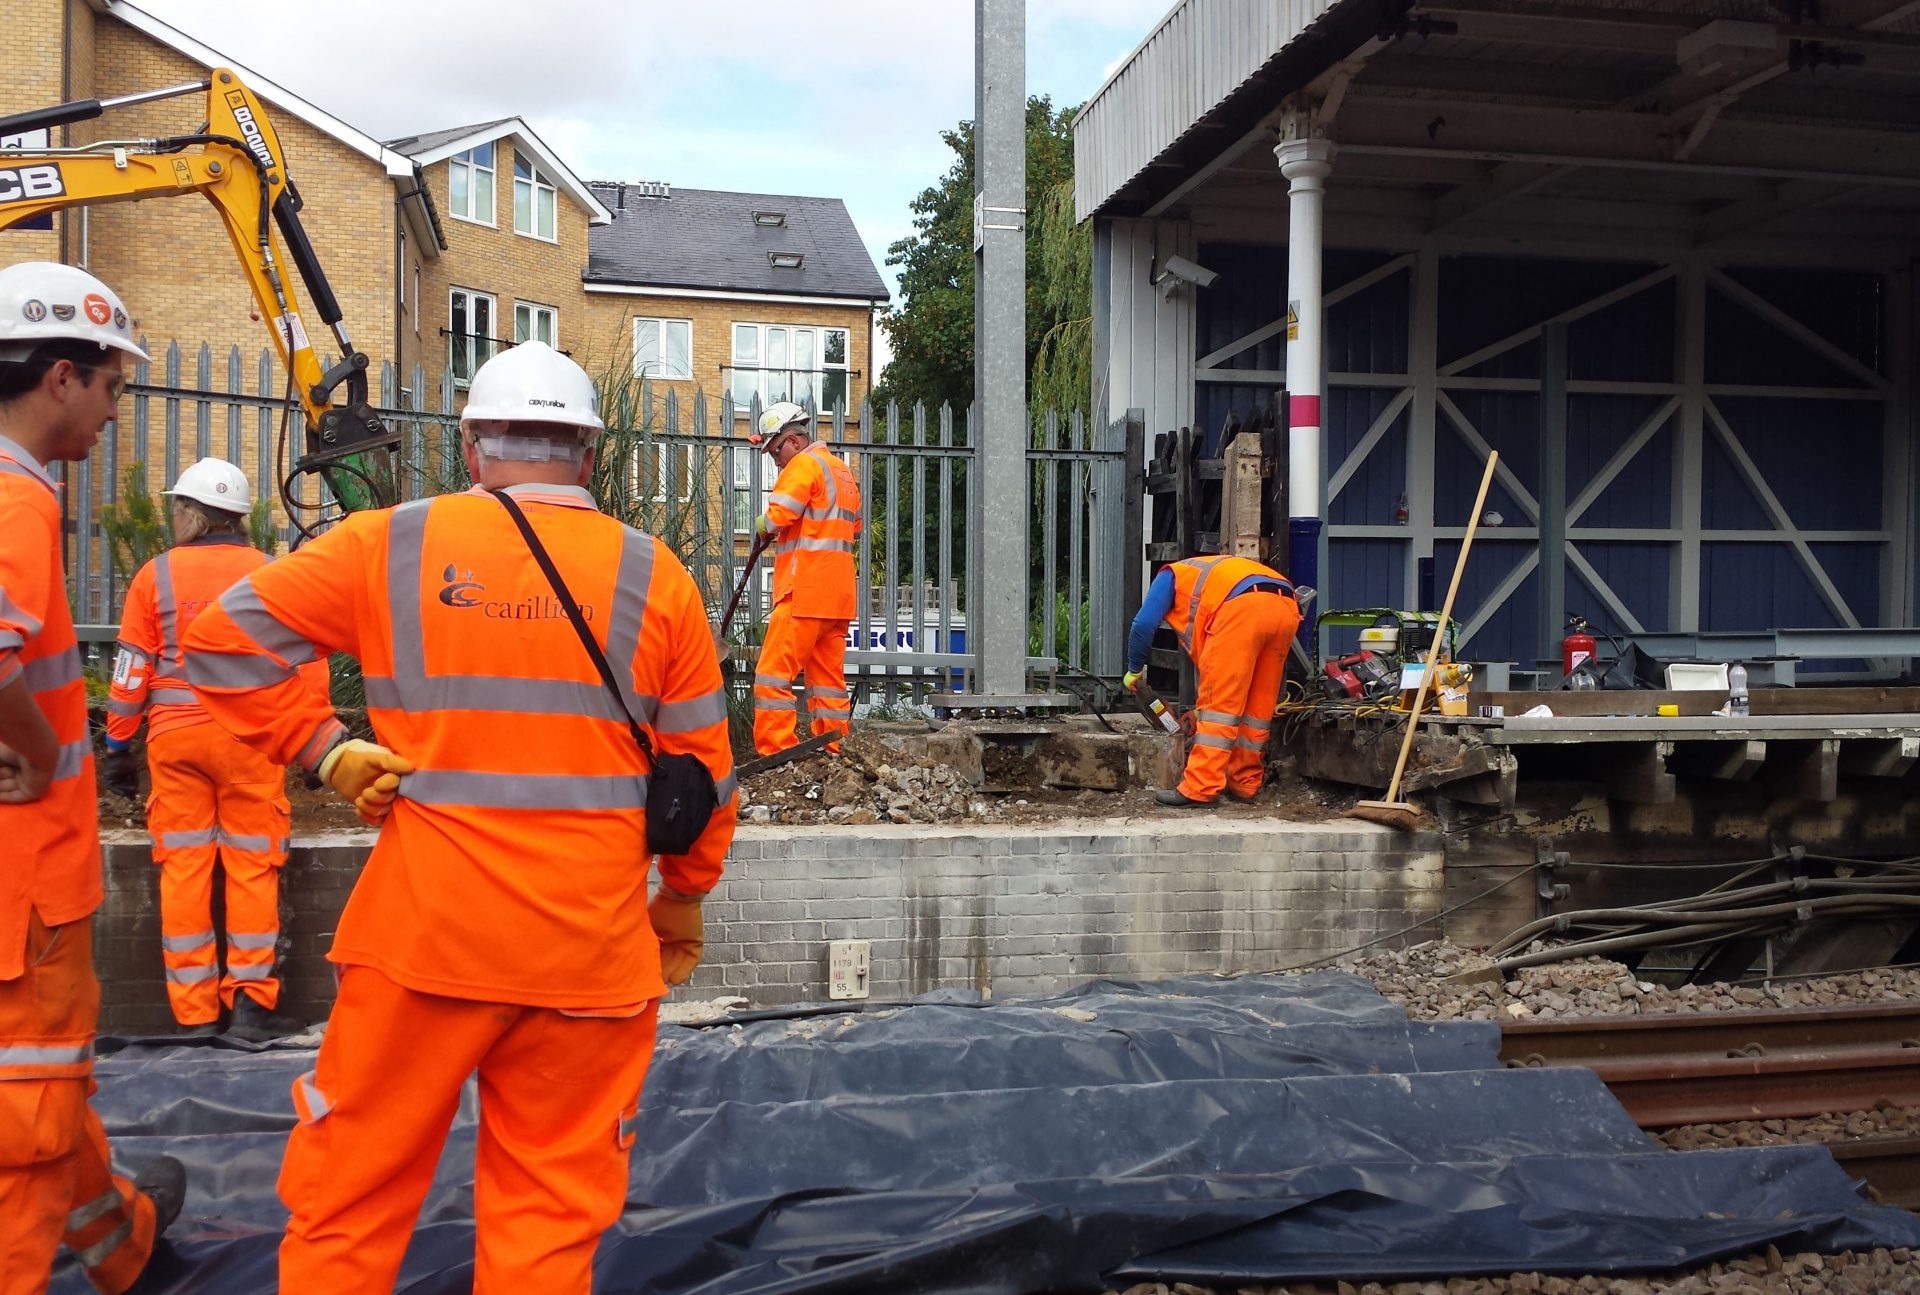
(682, 469)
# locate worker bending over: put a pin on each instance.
(813, 513)
(63, 340)
(1236, 619)
(213, 796)
(502, 924)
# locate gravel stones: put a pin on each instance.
(1418, 978)
(1877, 1272)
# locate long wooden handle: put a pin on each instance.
(733, 604)
(1440, 634)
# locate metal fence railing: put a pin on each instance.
(683, 470)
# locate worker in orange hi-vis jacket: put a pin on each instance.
(64, 337)
(1236, 618)
(213, 796)
(813, 513)
(502, 924)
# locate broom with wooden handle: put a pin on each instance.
(1394, 812)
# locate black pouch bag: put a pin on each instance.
(681, 796)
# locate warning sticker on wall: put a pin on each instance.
(1293, 321)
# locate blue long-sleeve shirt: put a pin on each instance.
(1154, 609)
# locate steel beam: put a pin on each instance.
(1000, 328)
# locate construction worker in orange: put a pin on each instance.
(813, 513)
(64, 339)
(213, 796)
(502, 924)
(1236, 618)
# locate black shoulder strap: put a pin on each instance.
(561, 592)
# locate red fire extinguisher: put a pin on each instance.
(1577, 646)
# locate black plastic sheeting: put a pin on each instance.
(1213, 1131)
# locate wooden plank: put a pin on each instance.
(1763, 701)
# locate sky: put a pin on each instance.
(840, 98)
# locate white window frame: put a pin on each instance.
(660, 324)
(474, 172)
(483, 344)
(537, 185)
(748, 503)
(804, 387)
(534, 310)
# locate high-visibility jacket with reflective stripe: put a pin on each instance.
(814, 509)
(514, 866)
(164, 597)
(52, 845)
(1201, 585)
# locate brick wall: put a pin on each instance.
(506, 265)
(31, 77)
(1005, 909)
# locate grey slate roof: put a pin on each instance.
(414, 145)
(706, 238)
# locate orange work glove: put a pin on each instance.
(681, 925)
(366, 774)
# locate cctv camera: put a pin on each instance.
(1186, 271)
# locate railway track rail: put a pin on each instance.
(1723, 1067)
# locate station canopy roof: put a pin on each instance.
(1784, 127)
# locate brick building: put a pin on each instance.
(441, 247)
(766, 296)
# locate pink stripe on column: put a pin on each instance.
(1303, 411)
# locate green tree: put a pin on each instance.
(932, 332)
(260, 528)
(136, 528)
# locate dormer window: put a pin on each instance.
(770, 219)
(470, 184)
(785, 260)
(533, 200)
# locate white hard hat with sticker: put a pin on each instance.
(44, 301)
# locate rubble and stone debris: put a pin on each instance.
(1418, 979)
(986, 773)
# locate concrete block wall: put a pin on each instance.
(1001, 910)
(1016, 910)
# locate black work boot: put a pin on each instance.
(1174, 796)
(204, 1030)
(164, 1182)
(258, 1024)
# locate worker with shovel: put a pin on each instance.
(1236, 618)
(813, 513)
(64, 339)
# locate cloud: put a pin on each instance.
(845, 99)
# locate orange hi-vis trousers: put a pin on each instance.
(812, 645)
(214, 796)
(1242, 664)
(55, 1182)
(559, 1103)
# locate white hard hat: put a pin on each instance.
(44, 301)
(532, 383)
(217, 484)
(780, 415)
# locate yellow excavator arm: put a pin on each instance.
(236, 162)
